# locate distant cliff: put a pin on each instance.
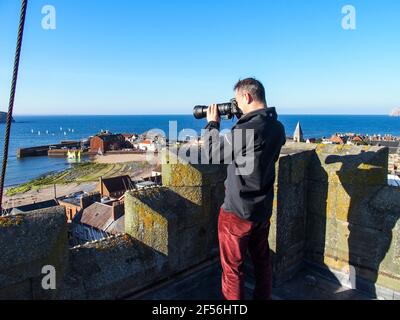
(395, 113)
(3, 117)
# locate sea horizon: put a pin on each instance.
(35, 130)
(190, 114)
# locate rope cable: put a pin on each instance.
(21, 28)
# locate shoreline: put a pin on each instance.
(105, 159)
(123, 158)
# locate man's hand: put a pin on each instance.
(213, 114)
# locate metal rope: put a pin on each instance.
(12, 98)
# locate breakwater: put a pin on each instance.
(44, 150)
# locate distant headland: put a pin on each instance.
(3, 117)
(395, 112)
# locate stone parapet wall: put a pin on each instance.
(288, 223)
(352, 217)
(333, 210)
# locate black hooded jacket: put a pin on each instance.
(249, 193)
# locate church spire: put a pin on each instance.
(298, 134)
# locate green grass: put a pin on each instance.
(79, 173)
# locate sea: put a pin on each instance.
(29, 131)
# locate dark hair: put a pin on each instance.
(254, 87)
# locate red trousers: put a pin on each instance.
(236, 237)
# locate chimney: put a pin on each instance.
(83, 202)
(88, 199)
(118, 209)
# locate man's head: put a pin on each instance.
(250, 95)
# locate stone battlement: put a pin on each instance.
(333, 212)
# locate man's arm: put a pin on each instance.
(217, 149)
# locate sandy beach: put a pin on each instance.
(122, 158)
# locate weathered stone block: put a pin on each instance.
(387, 200)
(354, 165)
(318, 195)
(288, 228)
(299, 163)
(389, 246)
(28, 242)
(172, 224)
(112, 268)
(178, 174)
(352, 205)
(358, 244)
(291, 199)
(283, 170)
(315, 233)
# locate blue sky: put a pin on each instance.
(160, 57)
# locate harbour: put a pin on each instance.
(48, 150)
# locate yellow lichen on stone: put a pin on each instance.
(388, 281)
(337, 264)
(7, 222)
(342, 205)
(331, 200)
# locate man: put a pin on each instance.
(244, 217)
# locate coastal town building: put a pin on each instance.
(337, 139)
(130, 137)
(115, 187)
(77, 202)
(107, 141)
(146, 145)
(98, 221)
(145, 184)
(348, 138)
(73, 204)
(357, 140)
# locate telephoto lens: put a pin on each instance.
(227, 110)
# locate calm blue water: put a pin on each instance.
(19, 171)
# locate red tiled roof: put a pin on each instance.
(357, 138)
(337, 139)
(100, 216)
